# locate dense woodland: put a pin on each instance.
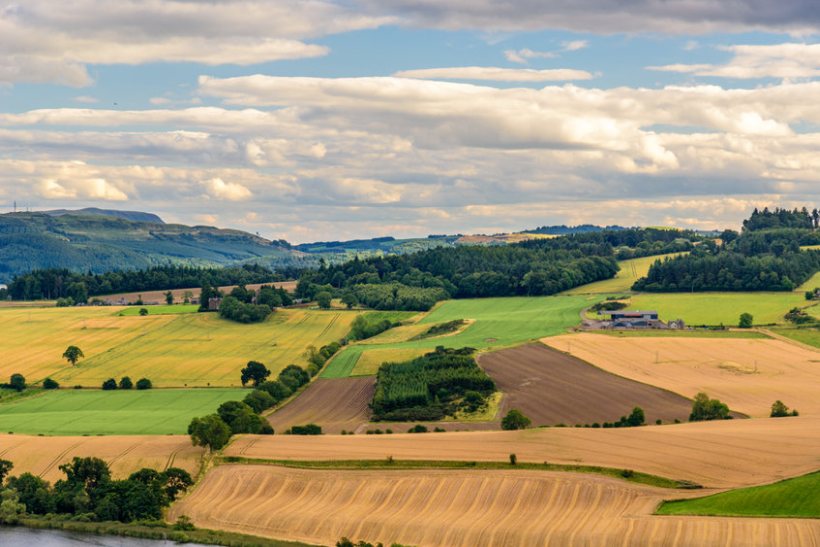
(430, 387)
(54, 284)
(766, 256)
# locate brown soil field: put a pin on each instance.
(158, 297)
(551, 387)
(723, 454)
(463, 509)
(747, 374)
(125, 454)
(333, 403)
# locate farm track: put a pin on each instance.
(747, 374)
(42, 456)
(723, 454)
(333, 403)
(551, 387)
(457, 508)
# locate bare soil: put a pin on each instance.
(336, 404)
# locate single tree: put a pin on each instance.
(780, 410)
(169, 298)
(5, 468)
(48, 383)
(636, 418)
(350, 300)
(109, 384)
(144, 383)
(143, 312)
(746, 321)
(515, 420)
(126, 383)
(324, 299)
(17, 381)
(72, 354)
(254, 372)
(209, 431)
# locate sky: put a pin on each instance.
(322, 120)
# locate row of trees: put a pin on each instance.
(126, 383)
(782, 218)
(52, 284)
(89, 491)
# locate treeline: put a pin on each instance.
(754, 261)
(89, 493)
(782, 218)
(430, 387)
(54, 284)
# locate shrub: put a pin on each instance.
(126, 383)
(513, 459)
(515, 420)
(309, 429)
(48, 383)
(780, 410)
(234, 309)
(143, 312)
(109, 384)
(17, 382)
(259, 400)
(418, 428)
(746, 321)
(144, 383)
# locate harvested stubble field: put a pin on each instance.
(172, 350)
(552, 388)
(631, 270)
(724, 454)
(496, 322)
(158, 297)
(462, 508)
(120, 412)
(336, 404)
(42, 456)
(747, 374)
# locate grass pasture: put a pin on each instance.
(631, 270)
(97, 412)
(496, 322)
(716, 308)
(179, 350)
(797, 497)
(164, 309)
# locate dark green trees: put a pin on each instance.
(254, 372)
(704, 409)
(746, 321)
(72, 354)
(515, 420)
(17, 382)
(210, 432)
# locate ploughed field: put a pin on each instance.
(120, 412)
(195, 349)
(723, 454)
(42, 456)
(552, 388)
(336, 404)
(747, 374)
(494, 322)
(462, 508)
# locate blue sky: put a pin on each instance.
(322, 120)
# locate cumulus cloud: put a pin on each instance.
(606, 16)
(786, 61)
(496, 74)
(231, 191)
(43, 44)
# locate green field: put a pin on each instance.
(92, 412)
(160, 310)
(798, 497)
(498, 322)
(695, 333)
(631, 270)
(181, 350)
(807, 335)
(715, 308)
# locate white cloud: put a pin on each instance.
(786, 61)
(522, 56)
(231, 191)
(574, 45)
(496, 74)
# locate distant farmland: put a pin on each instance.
(631, 270)
(121, 412)
(172, 350)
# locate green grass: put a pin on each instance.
(497, 322)
(160, 310)
(631, 270)
(391, 464)
(131, 412)
(698, 333)
(715, 308)
(798, 497)
(807, 335)
(812, 283)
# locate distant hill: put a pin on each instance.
(136, 216)
(376, 245)
(563, 229)
(98, 241)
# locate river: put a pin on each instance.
(28, 537)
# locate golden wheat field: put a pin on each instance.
(172, 350)
(463, 509)
(747, 374)
(723, 454)
(42, 456)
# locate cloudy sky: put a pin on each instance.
(320, 119)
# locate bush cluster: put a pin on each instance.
(126, 383)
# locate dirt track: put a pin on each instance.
(718, 454)
(463, 509)
(551, 387)
(747, 374)
(125, 454)
(333, 403)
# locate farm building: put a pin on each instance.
(624, 319)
